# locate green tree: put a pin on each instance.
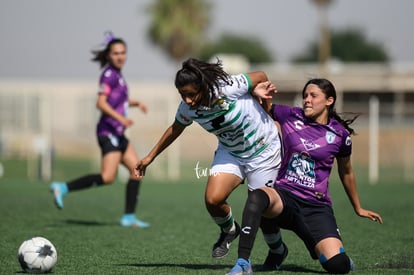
(249, 47)
(178, 26)
(348, 45)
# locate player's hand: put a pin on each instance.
(143, 107)
(139, 170)
(375, 217)
(141, 167)
(264, 90)
(127, 122)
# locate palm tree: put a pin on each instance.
(347, 45)
(178, 26)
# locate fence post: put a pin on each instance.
(373, 139)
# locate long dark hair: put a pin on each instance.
(102, 55)
(329, 90)
(205, 77)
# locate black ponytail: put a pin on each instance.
(206, 77)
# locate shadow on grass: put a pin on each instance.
(188, 266)
(290, 268)
(256, 268)
(89, 223)
(403, 263)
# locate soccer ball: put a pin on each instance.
(37, 255)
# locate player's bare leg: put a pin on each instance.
(218, 189)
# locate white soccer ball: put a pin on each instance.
(37, 255)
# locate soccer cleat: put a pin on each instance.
(274, 261)
(59, 190)
(242, 267)
(129, 220)
(221, 247)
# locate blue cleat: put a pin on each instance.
(59, 190)
(242, 267)
(129, 220)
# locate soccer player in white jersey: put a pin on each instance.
(248, 142)
(313, 137)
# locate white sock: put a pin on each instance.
(226, 223)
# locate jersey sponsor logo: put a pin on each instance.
(298, 124)
(330, 137)
(236, 135)
(301, 170)
(309, 144)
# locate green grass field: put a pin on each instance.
(90, 241)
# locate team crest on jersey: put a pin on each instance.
(223, 104)
(309, 144)
(330, 137)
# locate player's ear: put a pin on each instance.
(330, 100)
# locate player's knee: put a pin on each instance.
(214, 201)
(257, 200)
(338, 264)
(108, 178)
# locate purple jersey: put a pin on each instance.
(310, 149)
(114, 86)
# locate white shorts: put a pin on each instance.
(259, 171)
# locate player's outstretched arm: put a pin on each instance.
(347, 177)
(172, 132)
(141, 105)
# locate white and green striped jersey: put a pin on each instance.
(237, 119)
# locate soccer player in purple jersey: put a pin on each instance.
(113, 101)
(313, 137)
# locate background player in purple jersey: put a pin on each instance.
(113, 101)
(223, 105)
(313, 137)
